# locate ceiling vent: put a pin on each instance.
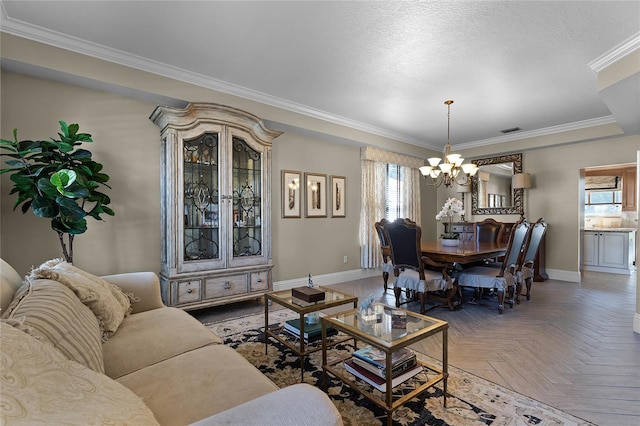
(511, 130)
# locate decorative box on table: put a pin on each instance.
(308, 294)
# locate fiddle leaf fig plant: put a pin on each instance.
(57, 180)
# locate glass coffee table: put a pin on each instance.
(284, 298)
(380, 334)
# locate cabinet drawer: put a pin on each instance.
(462, 228)
(260, 281)
(187, 291)
(225, 286)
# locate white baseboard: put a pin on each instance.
(328, 279)
(636, 323)
(562, 275)
(357, 274)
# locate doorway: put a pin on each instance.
(609, 218)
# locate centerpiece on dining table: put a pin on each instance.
(450, 207)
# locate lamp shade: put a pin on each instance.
(521, 181)
(463, 189)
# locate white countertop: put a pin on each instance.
(610, 229)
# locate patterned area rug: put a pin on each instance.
(470, 400)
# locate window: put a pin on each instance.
(393, 192)
(603, 202)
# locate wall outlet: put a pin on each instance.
(345, 260)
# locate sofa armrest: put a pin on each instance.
(145, 286)
(295, 405)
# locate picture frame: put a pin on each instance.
(338, 196)
(291, 198)
(316, 195)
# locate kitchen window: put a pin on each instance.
(603, 202)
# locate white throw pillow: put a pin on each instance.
(107, 302)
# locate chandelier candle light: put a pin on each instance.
(448, 171)
(450, 207)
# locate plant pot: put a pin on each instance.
(450, 242)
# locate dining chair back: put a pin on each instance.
(516, 243)
(527, 259)
(387, 266)
(419, 283)
(499, 279)
(488, 230)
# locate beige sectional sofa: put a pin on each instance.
(64, 364)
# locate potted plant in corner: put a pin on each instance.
(450, 207)
(58, 181)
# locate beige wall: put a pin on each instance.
(127, 143)
(315, 245)
(128, 146)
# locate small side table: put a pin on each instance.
(332, 299)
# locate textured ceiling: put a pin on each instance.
(386, 67)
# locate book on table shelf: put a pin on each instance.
(377, 381)
(378, 358)
(381, 371)
(311, 331)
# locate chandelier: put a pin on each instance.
(451, 168)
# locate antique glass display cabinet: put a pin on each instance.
(215, 202)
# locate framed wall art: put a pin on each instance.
(291, 198)
(338, 196)
(316, 195)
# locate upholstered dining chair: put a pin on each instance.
(403, 236)
(387, 266)
(503, 278)
(528, 256)
(489, 230)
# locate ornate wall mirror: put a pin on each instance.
(491, 191)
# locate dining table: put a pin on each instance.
(465, 252)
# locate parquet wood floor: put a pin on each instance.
(571, 346)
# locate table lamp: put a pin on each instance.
(521, 181)
(463, 189)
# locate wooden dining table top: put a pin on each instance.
(465, 252)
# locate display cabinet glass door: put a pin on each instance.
(201, 158)
(247, 199)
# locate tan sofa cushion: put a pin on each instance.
(153, 336)
(198, 384)
(107, 302)
(39, 385)
(53, 313)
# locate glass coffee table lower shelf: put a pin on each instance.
(381, 335)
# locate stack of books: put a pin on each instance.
(312, 332)
(369, 364)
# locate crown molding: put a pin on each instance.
(620, 51)
(76, 45)
(578, 125)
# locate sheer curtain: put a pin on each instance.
(374, 173)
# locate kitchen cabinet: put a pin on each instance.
(608, 251)
(629, 181)
(215, 205)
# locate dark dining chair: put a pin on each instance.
(387, 266)
(499, 279)
(488, 230)
(528, 256)
(418, 283)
